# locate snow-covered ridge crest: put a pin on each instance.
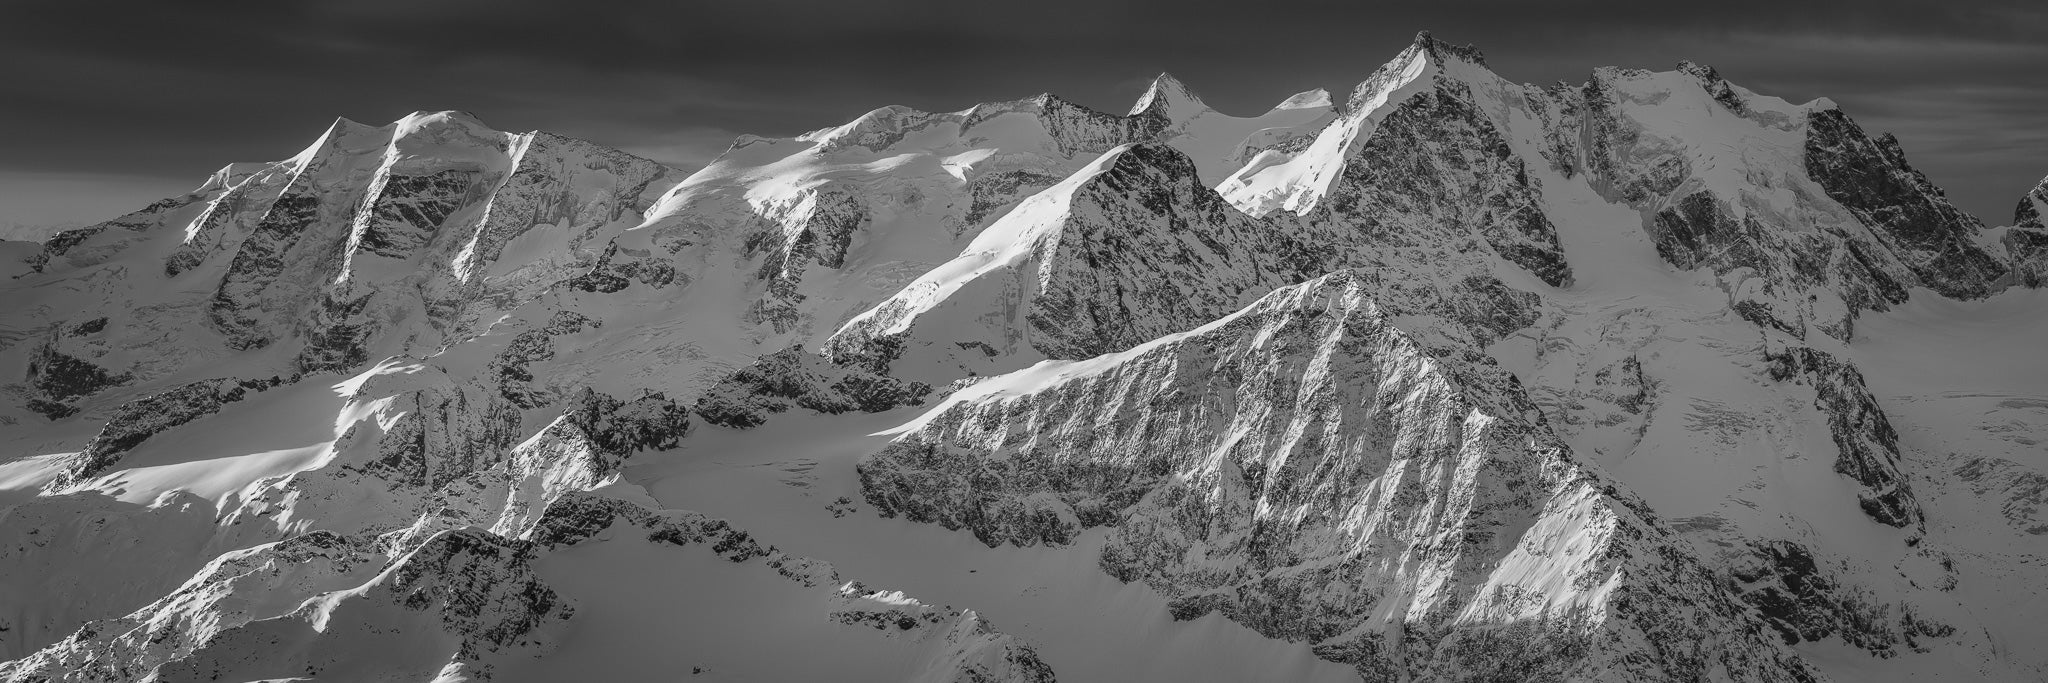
(1272, 466)
(1298, 182)
(372, 241)
(2033, 208)
(1131, 247)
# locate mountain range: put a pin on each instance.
(1645, 378)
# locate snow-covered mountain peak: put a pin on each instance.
(421, 139)
(446, 136)
(1296, 180)
(2033, 208)
(1308, 99)
(1170, 98)
(343, 136)
(1441, 51)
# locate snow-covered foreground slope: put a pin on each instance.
(1648, 378)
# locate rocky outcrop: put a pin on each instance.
(1437, 170)
(2026, 242)
(1128, 249)
(513, 366)
(791, 378)
(138, 420)
(967, 647)
(2021, 492)
(374, 241)
(1803, 602)
(1312, 471)
(1871, 178)
(2031, 209)
(1816, 255)
(440, 433)
(649, 422)
(91, 245)
(1867, 446)
(232, 590)
(68, 364)
(448, 608)
(244, 307)
(2027, 249)
(58, 378)
(817, 226)
(400, 216)
(616, 270)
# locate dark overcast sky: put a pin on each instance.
(105, 106)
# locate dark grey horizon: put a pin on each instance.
(109, 109)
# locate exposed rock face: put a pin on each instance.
(2026, 242)
(92, 245)
(2021, 492)
(968, 650)
(231, 591)
(1128, 249)
(138, 420)
(1436, 171)
(1278, 460)
(1868, 446)
(371, 242)
(58, 377)
(1803, 603)
(2028, 248)
(461, 599)
(2031, 208)
(1417, 175)
(514, 365)
(650, 422)
(441, 433)
(245, 307)
(1872, 178)
(1784, 266)
(792, 378)
(817, 227)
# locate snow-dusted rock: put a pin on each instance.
(2026, 242)
(1868, 446)
(1129, 248)
(445, 611)
(230, 591)
(1309, 469)
(145, 417)
(956, 645)
(791, 377)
